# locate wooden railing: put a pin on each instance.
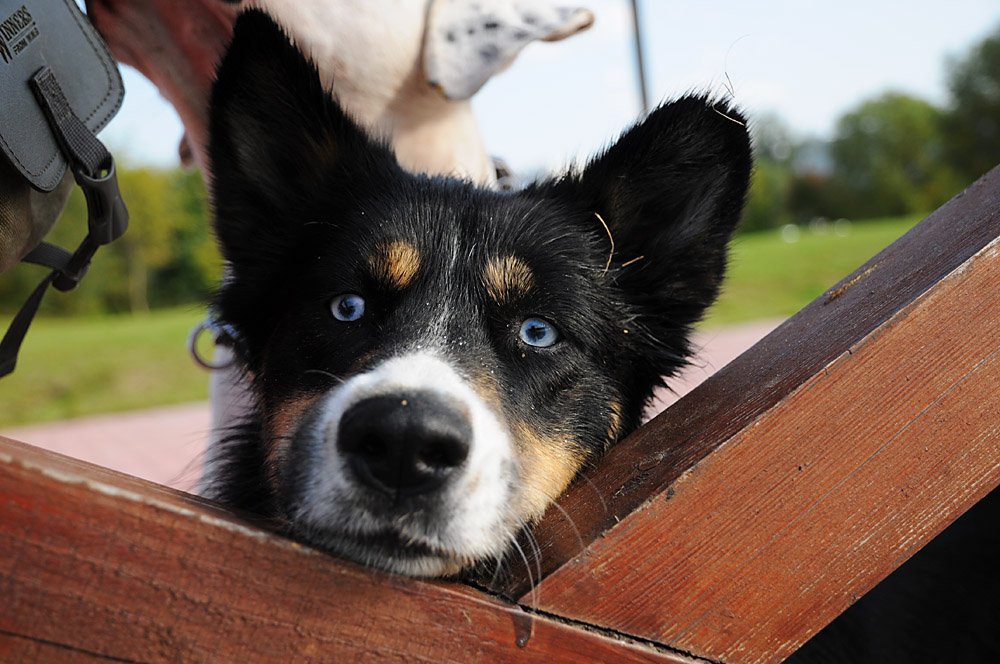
(731, 528)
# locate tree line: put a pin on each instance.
(166, 258)
(891, 155)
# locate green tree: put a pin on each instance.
(147, 244)
(166, 257)
(767, 202)
(888, 158)
(195, 267)
(812, 194)
(972, 123)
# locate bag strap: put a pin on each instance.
(107, 217)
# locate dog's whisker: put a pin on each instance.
(583, 477)
(552, 501)
(498, 567)
(538, 567)
(322, 372)
(522, 528)
(531, 581)
(536, 551)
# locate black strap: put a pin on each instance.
(48, 255)
(107, 218)
(78, 144)
(19, 326)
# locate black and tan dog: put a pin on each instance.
(432, 363)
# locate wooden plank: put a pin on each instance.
(762, 542)
(644, 465)
(98, 566)
(14, 648)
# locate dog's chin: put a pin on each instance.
(389, 550)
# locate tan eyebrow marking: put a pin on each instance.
(507, 277)
(395, 263)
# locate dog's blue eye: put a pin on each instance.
(538, 332)
(348, 307)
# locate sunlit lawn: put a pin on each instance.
(74, 367)
(70, 367)
(771, 278)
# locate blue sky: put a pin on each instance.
(807, 62)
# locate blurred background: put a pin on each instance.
(866, 117)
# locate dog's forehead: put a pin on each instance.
(508, 243)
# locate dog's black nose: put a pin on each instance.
(404, 444)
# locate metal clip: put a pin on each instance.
(222, 334)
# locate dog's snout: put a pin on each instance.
(404, 445)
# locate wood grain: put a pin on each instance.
(98, 566)
(762, 542)
(15, 648)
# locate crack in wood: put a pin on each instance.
(67, 647)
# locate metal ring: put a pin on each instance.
(192, 341)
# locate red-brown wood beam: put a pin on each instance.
(748, 515)
(101, 567)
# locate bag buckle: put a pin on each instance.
(107, 217)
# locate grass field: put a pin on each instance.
(70, 367)
(771, 278)
(74, 367)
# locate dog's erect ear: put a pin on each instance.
(277, 137)
(671, 191)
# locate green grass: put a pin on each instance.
(770, 278)
(71, 367)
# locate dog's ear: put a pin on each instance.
(278, 142)
(671, 192)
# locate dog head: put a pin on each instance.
(432, 362)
